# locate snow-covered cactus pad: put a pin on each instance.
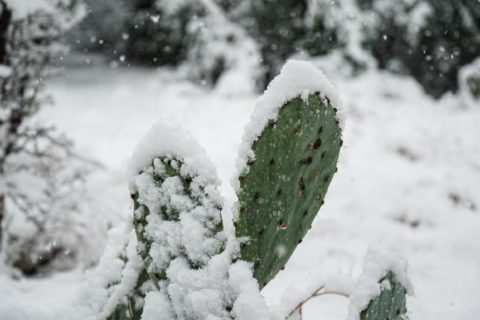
(390, 304)
(380, 292)
(287, 160)
(176, 213)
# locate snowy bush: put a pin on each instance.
(39, 175)
(158, 31)
(102, 29)
(469, 80)
(222, 53)
(427, 39)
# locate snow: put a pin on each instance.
(378, 262)
(23, 8)
(408, 174)
(5, 71)
(297, 78)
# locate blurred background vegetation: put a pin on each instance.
(429, 40)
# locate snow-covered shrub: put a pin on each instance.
(38, 174)
(222, 53)
(102, 30)
(427, 39)
(157, 31)
(192, 269)
(308, 27)
(469, 81)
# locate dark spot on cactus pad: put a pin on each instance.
(335, 110)
(305, 213)
(228, 308)
(317, 143)
(242, 209)
(257, 195)
(300, 240)
(280, 222)
(320, 130)
(306, 161)
(250, 163)
(272, 162)
(301, 183)
(279, 192)
(341, 142)
(235, 224)
(256, 264)
(322, 155)
(241, 178)
(261, 231)
(327, 178)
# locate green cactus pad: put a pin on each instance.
(283, 188)
(390, 304)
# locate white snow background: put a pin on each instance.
(408, 177)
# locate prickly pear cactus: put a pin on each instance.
(176, 217)
(390, 304)
(283, 188)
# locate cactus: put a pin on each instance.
(390, 304)
(284, 186)
(292, 149)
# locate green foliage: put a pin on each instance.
(390, 304)
(295, 159)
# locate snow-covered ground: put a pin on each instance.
(409, 177)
